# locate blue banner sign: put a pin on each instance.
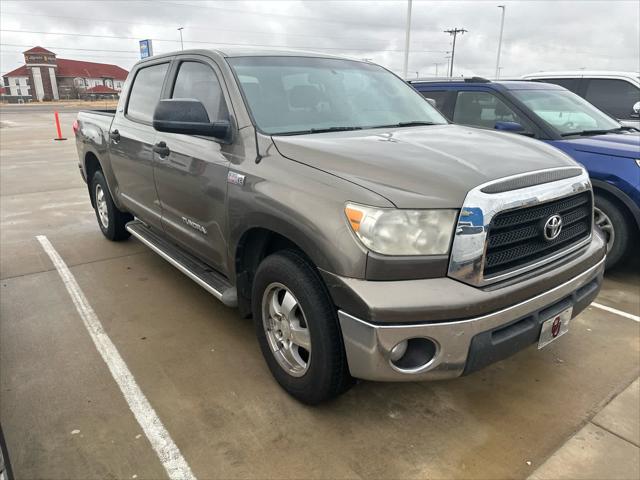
(146, 48)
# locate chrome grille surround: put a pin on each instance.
(468, 251)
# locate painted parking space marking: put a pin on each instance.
(168, 453)
(616, 311)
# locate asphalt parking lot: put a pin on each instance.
(199, 365)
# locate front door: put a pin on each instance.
(191, 177)
(132, 138)
(482, 109)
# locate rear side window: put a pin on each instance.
(198, 81)
(615, 97)
(145, 92)
(570, 84)
(482, 109)
(440, 97)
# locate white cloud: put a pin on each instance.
(539, 35)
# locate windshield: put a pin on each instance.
(289, 95)
(565, 111)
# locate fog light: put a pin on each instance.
(413, 354)
(398, 351)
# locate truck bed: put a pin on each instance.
(107, 112)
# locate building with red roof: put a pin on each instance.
(46, 77)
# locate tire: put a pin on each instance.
(311, 376)
(616, 228)
(111, 220)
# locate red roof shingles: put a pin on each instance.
(39, 50)
(78, 68)
(101, 89)
(18, 72)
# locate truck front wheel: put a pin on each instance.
(112, 221)
(297, 328)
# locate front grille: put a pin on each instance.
(516, 237)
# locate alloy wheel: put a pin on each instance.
(286, 329)
(101, 206)
(604, 222)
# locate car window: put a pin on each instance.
(616, 97)
(198, 81)
(300, 95)
(565, 111)
(568, 83)
(145, 92)
(440, 97)
(482, 109)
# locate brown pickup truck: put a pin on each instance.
(366, 236)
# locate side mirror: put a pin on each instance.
(636, 108)
(189, 117)
(509, 127)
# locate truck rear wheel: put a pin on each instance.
(111, 220)
(297, 328)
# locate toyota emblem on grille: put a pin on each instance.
(552, 227)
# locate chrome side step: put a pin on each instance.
(207, 278)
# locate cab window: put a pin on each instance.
(198, 81)
(482, 109)
(145, 92)
(615, 97)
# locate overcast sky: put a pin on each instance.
(538, 35)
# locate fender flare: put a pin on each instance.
(620, 196)
(108, 175)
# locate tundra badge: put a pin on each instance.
(194, 225)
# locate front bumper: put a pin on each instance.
(465, 345)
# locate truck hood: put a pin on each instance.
(618, 145)
(421, 167)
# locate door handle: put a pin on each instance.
(115, 136)
(161, 149)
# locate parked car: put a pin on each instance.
(609, 151)
(366, 235)
(616, 93)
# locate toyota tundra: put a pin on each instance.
(366, 235)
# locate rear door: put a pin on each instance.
(132, 138)
(192, 179)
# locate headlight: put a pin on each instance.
(402, 232)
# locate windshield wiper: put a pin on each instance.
(319, 130)
(585, 133)
(415, 123)
(625, 128)
(333, 129)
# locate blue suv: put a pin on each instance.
(610, 152)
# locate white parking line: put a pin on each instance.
(172, 460)
(616, 311)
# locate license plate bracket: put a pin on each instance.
(554, 327)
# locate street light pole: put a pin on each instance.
(181, 43)
(407, 39)
(454, 32)
(504, 9)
